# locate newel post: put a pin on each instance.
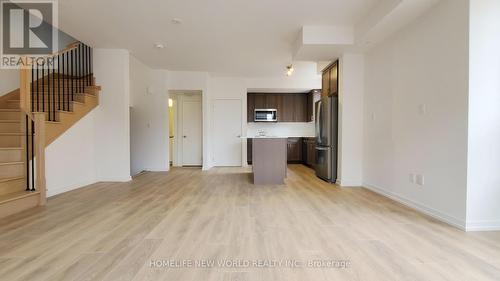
(25, 83)
(39, 118)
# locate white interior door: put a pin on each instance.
(227, 132)
(191, 133)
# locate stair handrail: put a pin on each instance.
(25, 80)
(81, 68)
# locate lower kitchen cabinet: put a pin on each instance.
(249, 151)
(299, 151)
(294, 150)
(310, 152)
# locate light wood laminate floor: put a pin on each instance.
(112, 231)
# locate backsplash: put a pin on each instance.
(281, 129)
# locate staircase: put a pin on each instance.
(48, 102)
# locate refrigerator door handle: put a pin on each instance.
(322, 147)
(318, 120)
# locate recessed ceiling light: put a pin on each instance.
(176, 21)
(159, 46)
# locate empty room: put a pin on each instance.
(250, 140)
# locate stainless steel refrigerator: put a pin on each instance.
(326, 120)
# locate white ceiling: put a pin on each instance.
(234, 37)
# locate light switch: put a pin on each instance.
(420, 180)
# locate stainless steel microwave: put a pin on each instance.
(266, 115)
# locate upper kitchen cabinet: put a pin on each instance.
(330, 80)
(300, 108)
(260, 101)
(325, 83)
(287, 113)
(290, 107)
(334, 79)
(250, 107)
(312, 98)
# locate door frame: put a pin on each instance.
(179, 97)
(242, 127)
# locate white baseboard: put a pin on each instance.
(56, 191)
(349, 183)
(489, 225)
(419, 207)
(117, 179)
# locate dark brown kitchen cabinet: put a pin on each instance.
(260, 101)
(334, 82)
(287, 113)
(312, 98)
(294, 150)
(249, 151)
(272, 101)
(325, 83)
(291, 107)
(309, 151)
(300, 108)
(330, 80)
(250, 108)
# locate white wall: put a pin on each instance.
(424, 64)
(149, 118)
(112, 126)
(227, 87)
(71, 159)
(97, 147)
(9, 80)
(350, 138)
(483, 178)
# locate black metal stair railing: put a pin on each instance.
(56, 82)
(30, 154)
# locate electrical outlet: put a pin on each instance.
(420, 179)
(422, 109)
(411, 177)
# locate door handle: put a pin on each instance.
(238, 136)
(184, 136)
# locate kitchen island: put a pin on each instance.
(269, 160)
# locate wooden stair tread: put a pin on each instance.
(12, 134)
(10, 179)
(10, 148)
(65, 111)
(10, 121)
(11, 163)
(9, 110)
(17, 195)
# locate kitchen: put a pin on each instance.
(294, 128)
